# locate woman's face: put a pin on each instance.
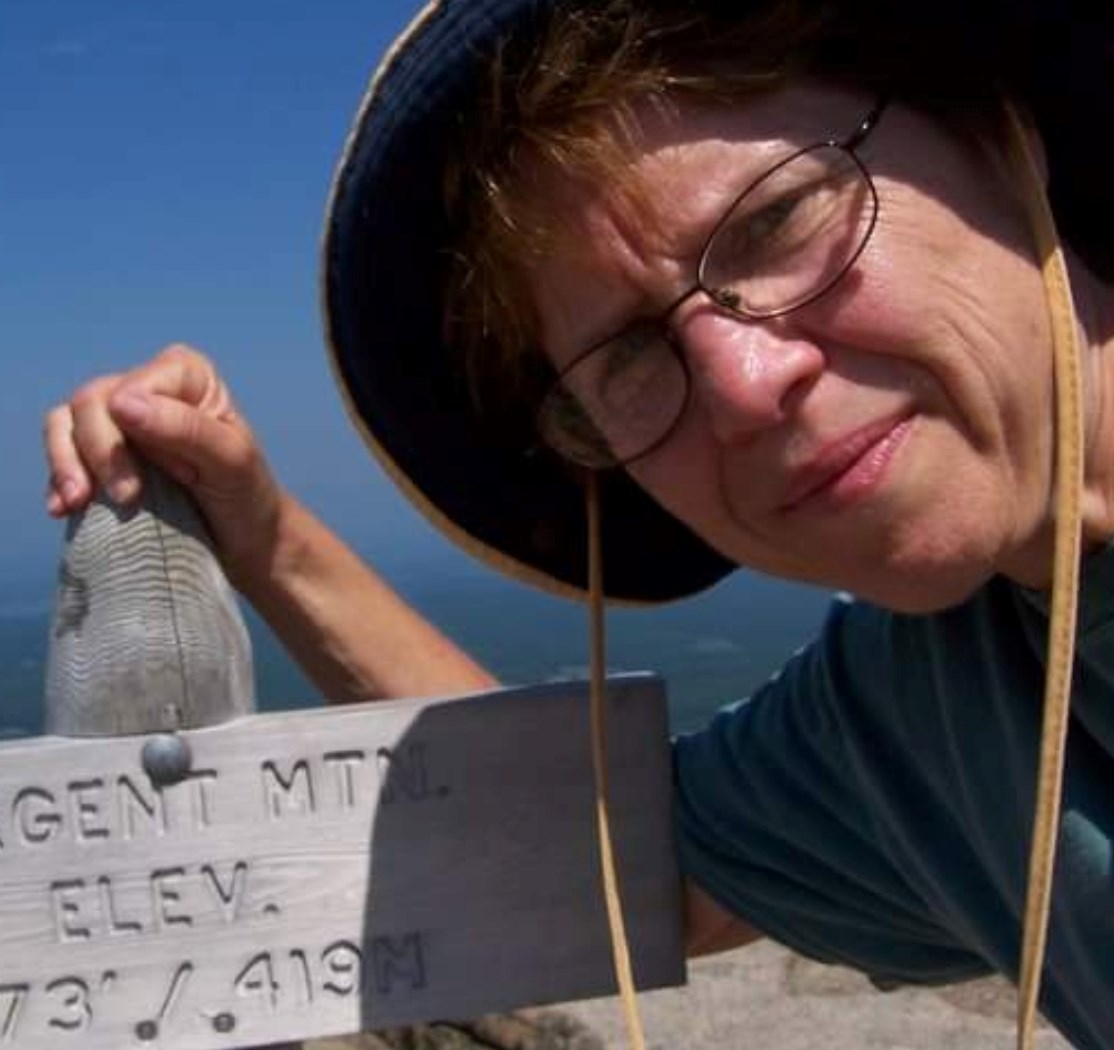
(893, 437)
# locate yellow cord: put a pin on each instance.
(1065, 589)
(619, 947)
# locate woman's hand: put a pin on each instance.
(351, 633)
(176, 412)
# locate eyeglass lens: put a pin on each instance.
(791, 235)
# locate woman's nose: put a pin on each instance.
(745, 374)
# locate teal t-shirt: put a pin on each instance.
(872, 805)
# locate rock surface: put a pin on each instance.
(761, 996)
(522, 1030)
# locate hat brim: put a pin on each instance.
(384, 273)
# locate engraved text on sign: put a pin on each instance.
(326, 872)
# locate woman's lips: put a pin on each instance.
(847, 469)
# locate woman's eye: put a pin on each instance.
(628, 352)
(765, 225)
(751, 239)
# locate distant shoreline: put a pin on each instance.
(711, 650)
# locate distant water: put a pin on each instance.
(711, 650)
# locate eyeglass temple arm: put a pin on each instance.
(857, 137)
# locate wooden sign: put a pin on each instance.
(329, 871)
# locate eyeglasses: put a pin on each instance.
(791, 235)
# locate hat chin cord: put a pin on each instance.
(1067, 371)
(620, 950)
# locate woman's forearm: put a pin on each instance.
(349, 631)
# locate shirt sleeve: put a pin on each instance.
(777, 823)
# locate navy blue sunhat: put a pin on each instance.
(384, 272)
(385, 263)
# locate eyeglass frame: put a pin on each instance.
(660, 320)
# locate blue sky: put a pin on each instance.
(163, 169)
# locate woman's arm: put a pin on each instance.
(710, 928)
(350, 632)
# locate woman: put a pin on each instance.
(777, 277)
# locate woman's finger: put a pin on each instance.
(216, 447)
(182, 373)
(100, 444)
(68, 484)
(181, 470)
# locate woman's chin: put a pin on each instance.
(920, 586)
(916, 581)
